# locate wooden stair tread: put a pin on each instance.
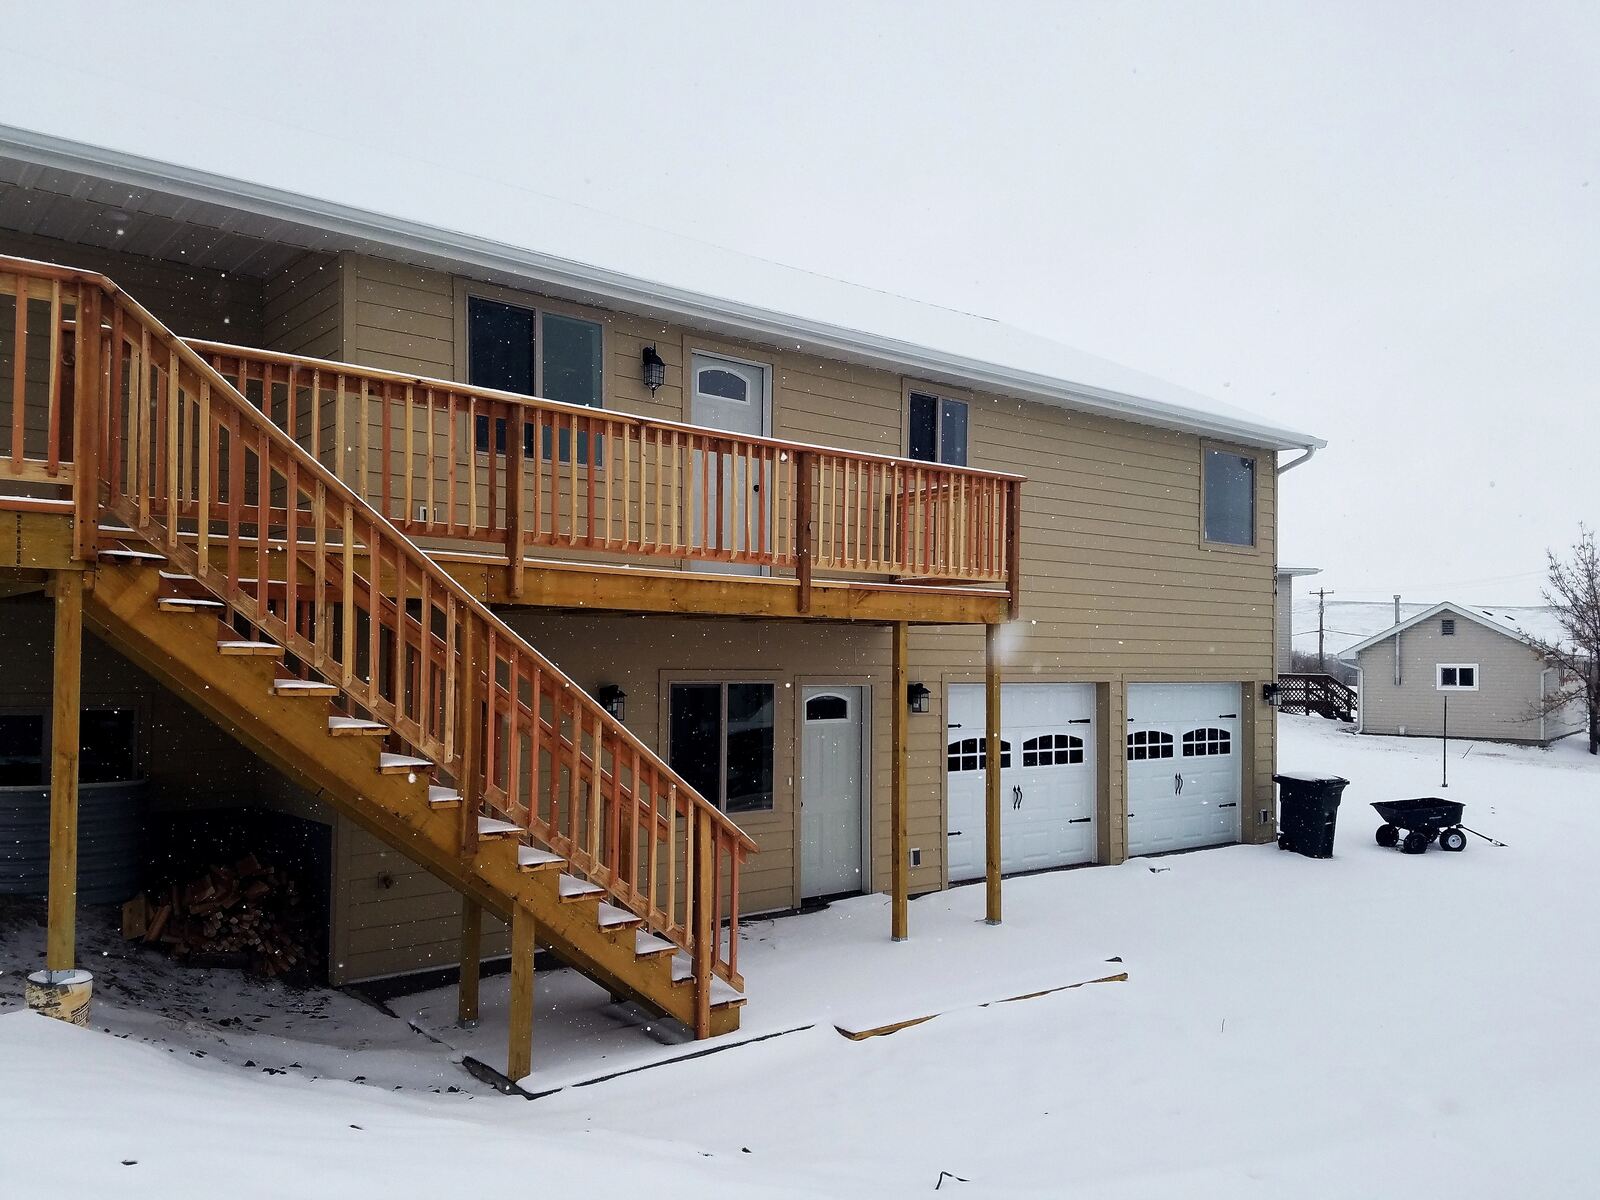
(303, 687)
(186, 604)
(573, 888)
(490, 827)
(402, 764)
(612, 917)
(531, 858)
(124, 553)
(355, 726)
(246, 649)
(722, 992)
(440, 796)
(645, 942)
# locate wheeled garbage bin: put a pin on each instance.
(1308, 811)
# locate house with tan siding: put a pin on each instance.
(710, 602)
(1466, 666)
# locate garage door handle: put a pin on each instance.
(1177, 787)
(1016, 797)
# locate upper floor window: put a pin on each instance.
(1458, 677)
(938, 431)
(1447, 627)
(536, 353)
(1230, 498)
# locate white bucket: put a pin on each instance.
(63, 995)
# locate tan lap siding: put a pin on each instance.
(303, 306)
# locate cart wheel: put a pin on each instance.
(1453, 839)
(1416, 842)
(1388, 835)
(1283, 841)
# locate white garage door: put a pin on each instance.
(1183, 766)
(1047, 777)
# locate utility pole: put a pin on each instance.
(1322, 595)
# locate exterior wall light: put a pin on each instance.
(917, 697)
(613, 699)
(655, 370)
(1270, 693)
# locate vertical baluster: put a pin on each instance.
(594, 792)
(491, 696)
(374, 623)
(347, 596)
(291, 557)
(321, 642)
(627, 484)
(634, 798)
(386, 444)
(535, 736)
(451, 407)
(52, 384)
(672, 854)
(472, 465)
(572, 480)
(170, 449)
(19, 372)
(513, 749)
(428, 460)
(408, 464)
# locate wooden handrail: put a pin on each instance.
(173, 449)
(443, 459)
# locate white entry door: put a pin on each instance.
(731, 395)
(1184, 773)
(831, 777)
(1047, 777)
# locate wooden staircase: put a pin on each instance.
(1318, 695)
(231, 565)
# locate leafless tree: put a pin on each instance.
(1573, 592)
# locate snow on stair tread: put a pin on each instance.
(439, 794)
(489, 827)
(354, 723)
(646, 942)
(535, 856)
(612, 916)
(136, 555)
(243, 644)
(187, 602)
(176, 576)
(572, 886)
(300, 685)
(721, 990)
(393, 762)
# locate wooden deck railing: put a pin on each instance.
(1318, 694)
(444, 460)
(167, 445)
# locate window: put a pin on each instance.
(1230, 498)
(1199, 742)
(1149, 743)
(107, 747)
(972, 754)
(721, 742)
(938, 430)
(21, 749)
(535, 353)
(723, 383)
(1447, 627)
(828, 707)
(1458, 677)
(1052, 750)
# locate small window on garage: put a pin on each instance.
(969, 754)
(1052, 750)
(109, 751)
(1149, 743)
(1198, 742)
(1457, 677)
(1230, 498)
(21, 749)
(938, 430)
(1447, 627)
(827, 707)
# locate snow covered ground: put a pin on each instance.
(1370, 1025)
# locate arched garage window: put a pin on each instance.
(969, 754)
(1052, 750)
(1207, 741)
(1149, 743)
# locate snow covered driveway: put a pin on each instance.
(1370, 1025)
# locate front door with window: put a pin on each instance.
(831, 841)
(731, 395)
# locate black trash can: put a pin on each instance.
(1308, 811)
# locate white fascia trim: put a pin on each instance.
(1454, 609)
(485, 254)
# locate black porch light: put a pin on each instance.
(1271, 693)
(655, 370)
(917, 697)
(613, 699)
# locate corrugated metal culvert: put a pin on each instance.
(110, 821)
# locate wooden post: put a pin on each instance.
(469, 726)
(86, 381)
(63, 910)
(806, 514)
(991, 772)
(519, 1056)
(471, 958)
(899, 853)
(516, 530)
(704, 882)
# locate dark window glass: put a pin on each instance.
(572, 365)
(1052, 750)
(714, 381)
(827, 708)
(1468, 677)
(1149, 743)
(1199, 742)
(108, 750)
(500, 346)
(696, 736)
(750, 748)
(938, 430)
(21, 749)
(1230, 495)
(972, 754)
(924, 437)
(1447, 677)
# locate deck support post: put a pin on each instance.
(991, 773)
(60, 937)
(899, 852)
(471, 960)
(519, 1054)
(806, 539)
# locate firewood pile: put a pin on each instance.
(249, 915)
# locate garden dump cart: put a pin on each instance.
(1422, 820)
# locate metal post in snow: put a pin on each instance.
(1445, 744)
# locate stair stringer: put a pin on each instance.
(180, 650)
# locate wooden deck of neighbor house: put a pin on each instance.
(307, 552)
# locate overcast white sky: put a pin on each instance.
(1379, 222)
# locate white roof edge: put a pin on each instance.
(1460, 610)
(468, 249)
(1296, 572)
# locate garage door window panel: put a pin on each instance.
(1200, 742)
(972, 754)
(1052, 750)
(1146, 744)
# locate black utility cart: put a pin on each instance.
(1414, 824)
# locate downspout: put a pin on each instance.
(1398, 635)
(1361, 699)
(1544, 692)
(1296, 462)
